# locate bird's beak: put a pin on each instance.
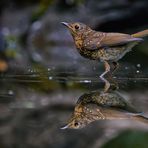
(65, 24)
(65, 127)
(69, 26)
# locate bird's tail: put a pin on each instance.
(140, 34)
(140, 118)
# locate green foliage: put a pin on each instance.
(41, 10)
(129, 139)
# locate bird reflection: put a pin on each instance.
(102, 105)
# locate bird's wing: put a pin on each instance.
(108, 40)
(113, 39)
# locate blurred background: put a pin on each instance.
(42, 75)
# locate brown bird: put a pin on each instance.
(106, 47)
(100, 105)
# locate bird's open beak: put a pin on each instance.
(65, 24)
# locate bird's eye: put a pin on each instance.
(77, 27)
(76, 124)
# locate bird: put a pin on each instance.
(106, 47)
(100, 105)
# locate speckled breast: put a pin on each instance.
(93, 55)
(112, 54)
(115, 53)
(103, 54)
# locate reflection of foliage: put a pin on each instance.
(129, 139)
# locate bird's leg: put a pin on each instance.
(107, 84)
(116, 66)
(107, 69)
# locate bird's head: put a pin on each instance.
(76, 29)
(76, 122)
(73, 125)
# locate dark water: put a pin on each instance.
(35, 105)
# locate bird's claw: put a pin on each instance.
(103, 74)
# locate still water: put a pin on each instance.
(35, 106)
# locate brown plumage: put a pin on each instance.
(106, 47)
(102, 105)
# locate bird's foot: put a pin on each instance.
(107, 69)
(107, 84)
(103, 74)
